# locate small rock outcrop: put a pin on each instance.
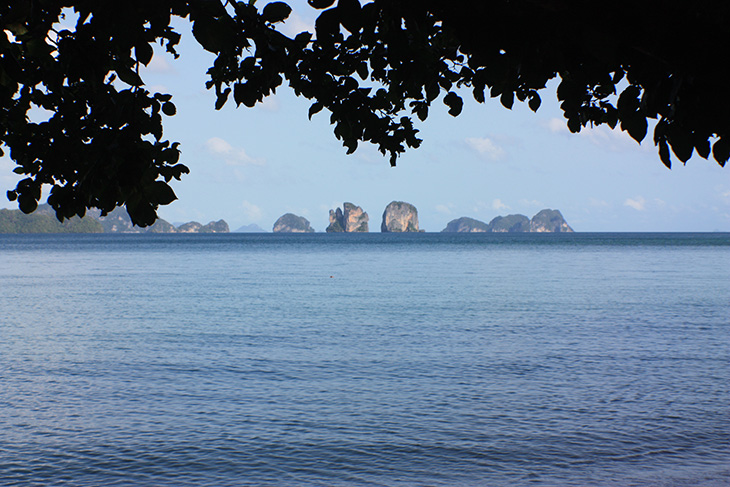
(510, 223)
(351, 219)
(215, 227)
(549, 221)
(400, 217)
(190, 227)
(291, 223)
(161, 226)
(466, 225)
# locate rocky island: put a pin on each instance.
(351, 218)
(466, 225)
(544, 221)
(549, 221)
(291, 223)
(400, 217)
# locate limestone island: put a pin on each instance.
(545, 221)
(350, 218)
(291, 223)
(400, 217)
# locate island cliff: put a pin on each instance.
(549, 221)
(350, 219)
(291, 223)
(400, 217)
(466, 225)
(545, 221)
(510, 223)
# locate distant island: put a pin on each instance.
(291, 223)
(399, 216)
(44, 220)
(545, 221)
(351, 218)
(252, 228)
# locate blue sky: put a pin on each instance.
(253, 165)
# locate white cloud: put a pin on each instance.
(485, 147)
(252, 212)
(233, 156)
(270, 104)
(557, 126)
(532, 203)
(498, 205)
(599, 203)
(614, 140)
(160, 65)
(638, 203)
(445, 209)
(296, 24)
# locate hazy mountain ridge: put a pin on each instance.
(44, 220)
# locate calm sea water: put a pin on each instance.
(365, 360)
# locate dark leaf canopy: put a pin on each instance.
(371, 65)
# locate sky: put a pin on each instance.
(253, 165)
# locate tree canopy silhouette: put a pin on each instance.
(98, 139)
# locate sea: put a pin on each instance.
(581, 359)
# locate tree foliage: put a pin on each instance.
(375, 67)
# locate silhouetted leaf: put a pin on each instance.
(276, 12)
(143, 53)
(574, 125)
(164, 193)
(636, 126)
(207, 31)
(702, 145)
(349, 11)
(320, 4)
(327, 25)
(168, 108)
(534, 102)
(721, 150)
(128, 76)
(681, 143)
(454, 102)
(664, 153)
(222, 98)
(315, 108)
(507, 99)
(362, 71)
(27, 204)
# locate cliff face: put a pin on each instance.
(466, 225)
(400, 217)
(291, 223)
(510, 223)
(352, 219)
(190, 227)
(216, 227)
(549, 221)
